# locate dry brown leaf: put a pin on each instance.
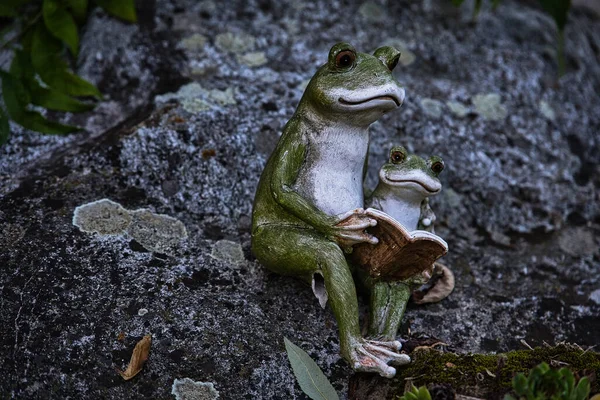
(138, 358)
(121, 336)
(450, 365)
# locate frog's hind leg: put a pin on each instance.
(388, 303)
(305, 254)
(320, 262)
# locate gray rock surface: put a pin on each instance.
(520, 208)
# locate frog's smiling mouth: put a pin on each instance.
(381, 98)
(414, 180)
(424, 186)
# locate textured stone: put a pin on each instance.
(514, 190)
(372, 12)
(547, 111)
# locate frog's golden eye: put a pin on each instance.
(437, 167)
(345, 59)
(397, 157)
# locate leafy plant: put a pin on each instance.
(544, 383)
(40, 75)
(311, 379)
(558, 10)
(416, 394)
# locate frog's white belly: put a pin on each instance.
(331, 177)
(405, 212)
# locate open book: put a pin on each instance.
(399, 254)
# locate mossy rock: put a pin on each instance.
(485, 376)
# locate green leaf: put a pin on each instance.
(477, 8)
(50, 99)
(16, 99)
(519, 384)
(311, 379)
(457, 3)
(52, 69)
(10, 8)
(61, 24)
(424, 393)
(124, 9)
(4, 127)
(410, 396)
(558, 9)
(567, 379)
(78, 8)
(583, 389)
(21, 67)
(53, 100)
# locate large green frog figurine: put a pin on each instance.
(309, 203)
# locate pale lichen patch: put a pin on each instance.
(228, 251)
(457, 108)
(102, 216)
(235, 43)
(490, 107)
(194, 98)
(156, 232)
(372, 12)
(253, 59)
(187, 389)
(432, 107)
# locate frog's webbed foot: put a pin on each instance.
(374, 356)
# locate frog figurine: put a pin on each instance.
(309, 202)
(406, 182)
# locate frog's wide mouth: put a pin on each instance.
(423, 185)
(386, 97)
(413, 180)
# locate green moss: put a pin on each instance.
(490, 375)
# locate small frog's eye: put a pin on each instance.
(437, 167)
(388, 55)
(345, 59)
(397, 157)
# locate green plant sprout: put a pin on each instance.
(40, 33)
(545, 383)
(416, 394)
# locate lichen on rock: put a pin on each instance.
(432, 108)
(187, 389)
(102, 216)
(490, 107)
(228, 251)
(156, 232)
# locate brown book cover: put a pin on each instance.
(399, 254)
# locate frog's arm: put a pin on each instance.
(286, 169)
(427, 217)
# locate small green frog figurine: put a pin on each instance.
(309, 203)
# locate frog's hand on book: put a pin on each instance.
(399, 254)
